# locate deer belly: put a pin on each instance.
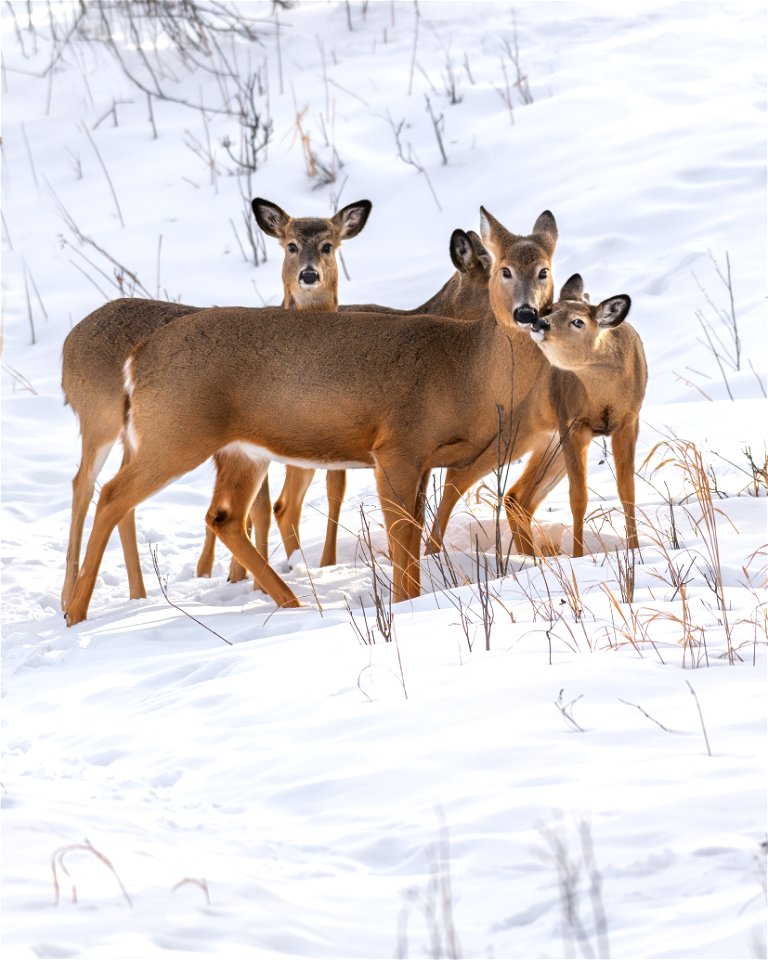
(314, 460)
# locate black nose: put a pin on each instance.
(309, 276)
(525, 314)
(540, 323)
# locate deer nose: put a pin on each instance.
(539, 324)
(525, 314)
(309, 276)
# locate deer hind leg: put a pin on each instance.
(238, 479)
(258, 530)
(400, 485)
(258, 525)
(336, 486)
(95, 450)
(139, 478)
(575, 448)
(205, 563)
(543, 471)
(288, 506)
(623, 443)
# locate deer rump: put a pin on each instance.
(317, 388)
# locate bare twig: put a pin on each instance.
(163, 581)
(566, 709)
(701, 717)
(87, 132)
(645, 714)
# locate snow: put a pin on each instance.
(425, 796)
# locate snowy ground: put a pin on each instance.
(594, 783)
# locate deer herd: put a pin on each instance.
(488, 370)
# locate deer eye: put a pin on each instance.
(292, 248)
(326, 248)
(543, 273)
(577, 323)
(506, 273)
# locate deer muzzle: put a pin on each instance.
(539, 328)
(525, 314)
(309, 277)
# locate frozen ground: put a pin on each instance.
(594, 784)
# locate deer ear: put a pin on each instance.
(573, 288)
(484, 259)
(350, 220)
(545, 231)
(462, 254)
(613, 311)
(489, 226)
(272, 219)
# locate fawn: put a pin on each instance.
(596, 388)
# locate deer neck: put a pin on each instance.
(322, 300)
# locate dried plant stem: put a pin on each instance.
(87, 132)
(192, 881)
(701, 717)
(163, 581)
(57, 863)
(645, 714)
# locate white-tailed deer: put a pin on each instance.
(93, 357)
(310, 281)
(593, 384)
(432, 393)
(519, 289)
(465, 295)
(596, 388)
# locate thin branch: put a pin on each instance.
(701, 717)
(163, 581)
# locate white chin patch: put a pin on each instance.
(537, 335)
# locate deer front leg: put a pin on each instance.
(336, 486)
(543, 471)
(623, 444)
(457, 481)
(575, 443)
(400, 483)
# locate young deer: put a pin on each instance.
(310, 281)
(596, 388)
(430, 395)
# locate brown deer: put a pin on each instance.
(310, 281)
(93, 357)
(465, 295)
(593, 384)
(596, 388)
(433, 393)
